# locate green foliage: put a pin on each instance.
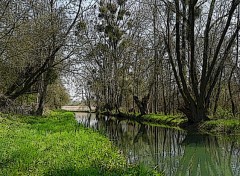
(221, 126)
(173, 120)
(223, 113)
(57, 145)
(112, 7)
(121, 14)
(130, 24)
(212, 126)
(57, 96)
(103, 9)
(108, 12)
(82, 26)
(53, 76)
(141, 170)
(27, 99)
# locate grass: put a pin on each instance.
(164, 120)
(216, 125)
(221, 126)
(171, 120)
(57, 145)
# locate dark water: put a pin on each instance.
(171, 151)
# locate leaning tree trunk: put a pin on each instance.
(42, 99)
(142, 105)
(43, 93)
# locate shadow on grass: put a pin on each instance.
(71, 171)
(138, 170)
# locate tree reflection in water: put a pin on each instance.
(205, 155)
(171, 151)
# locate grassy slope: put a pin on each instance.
(57, 145)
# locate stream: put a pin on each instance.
(168, 150)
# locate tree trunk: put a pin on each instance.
(164, 100)
(230, 92)
(218, 94)
(42, 99)
(196, 92)
(195, 114)
(142, 105)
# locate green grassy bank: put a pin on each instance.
(213, 126)
(221, 126)
(169, 120)
(154, 119)
(57, 145)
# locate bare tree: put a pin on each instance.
(204, 69)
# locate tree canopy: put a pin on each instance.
(157, 56)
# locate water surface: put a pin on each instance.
(171, 151)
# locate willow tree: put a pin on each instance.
(198, 46)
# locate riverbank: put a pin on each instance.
(158, 119)
(213, 126)
(221, 126)
(57, 145)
